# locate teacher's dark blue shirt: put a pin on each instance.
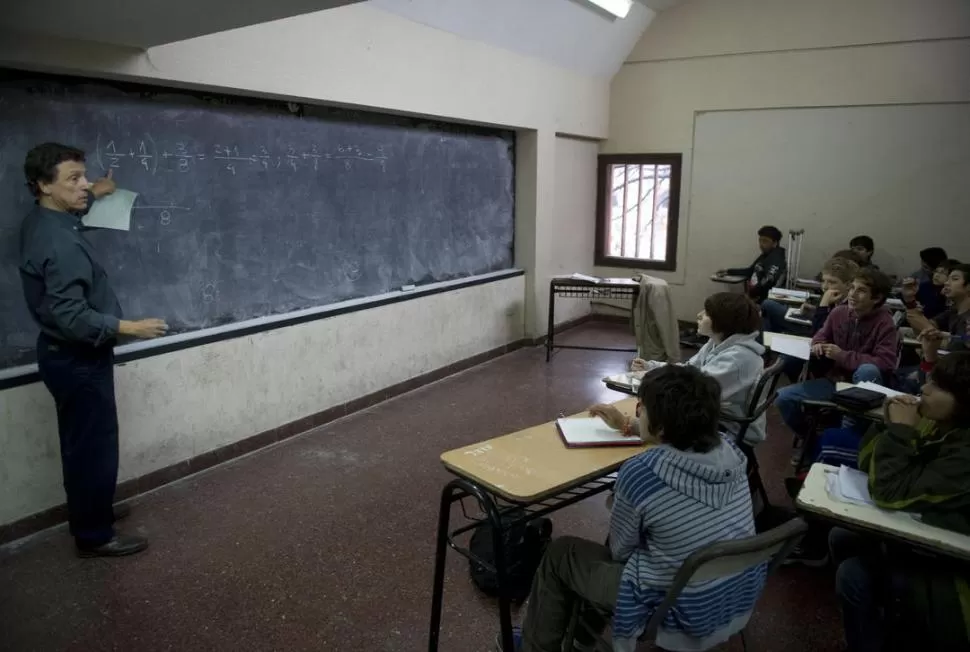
(66, 289)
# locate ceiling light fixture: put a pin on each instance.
(619, 8)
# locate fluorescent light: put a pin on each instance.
(619, 8)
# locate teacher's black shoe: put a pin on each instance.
(121, 510)
(120, 545)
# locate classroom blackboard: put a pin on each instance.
(251, 207)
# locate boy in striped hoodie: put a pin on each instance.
(688, 491)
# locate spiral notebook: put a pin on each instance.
(592, 431)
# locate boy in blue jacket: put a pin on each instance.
(686, 492)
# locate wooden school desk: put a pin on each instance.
(729, 280)
(530, 471)
(815, 499)
(597, 288)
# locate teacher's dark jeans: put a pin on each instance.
(81, 380)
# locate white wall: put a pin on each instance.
(707, 55)
(178, 405)
(572, 233)
(896, 172)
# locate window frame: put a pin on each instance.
(604, 196)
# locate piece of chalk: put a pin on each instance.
(407, 288)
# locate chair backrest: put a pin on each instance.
(762, 397)
(727, 558)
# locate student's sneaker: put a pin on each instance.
(516, 640)
(808, 555)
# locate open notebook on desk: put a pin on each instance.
(592, 431)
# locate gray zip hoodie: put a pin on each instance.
(737, 365)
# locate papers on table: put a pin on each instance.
(792, 295)
(796, 347)
(592, 431)
(597, 280)
(795, 315)
(848, 486)
(111, 211)
(873, 387)
(629, 379)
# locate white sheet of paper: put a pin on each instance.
(854, 486)
(112, 211)
(796, 347)
(873, 387)
(590, 431)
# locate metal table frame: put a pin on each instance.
(577, 289)
(492, 509)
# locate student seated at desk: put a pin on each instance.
(732, 356)
(768, 269)
(688, 491)
(917, 461)
(857, 343)
(930, 258)
(836, 277)
(927, 299)
(948, 330)
(863, 246)
(955, 321)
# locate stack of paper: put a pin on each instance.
(781, 293)
(597, 280)
(849, 486)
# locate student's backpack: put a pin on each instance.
(524, 544)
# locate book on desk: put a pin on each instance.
(592, 431)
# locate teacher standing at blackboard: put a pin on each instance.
(69, 297)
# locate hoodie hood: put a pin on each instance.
(710, 478)
(735, 345)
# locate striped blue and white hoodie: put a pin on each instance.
(669, 503)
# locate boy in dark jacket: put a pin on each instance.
(927, 300)
(917, 461)
(864, 247)
(857, 343)
(768, 269)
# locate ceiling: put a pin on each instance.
(565, 33)
(141, 24)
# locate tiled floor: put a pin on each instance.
(325, 542)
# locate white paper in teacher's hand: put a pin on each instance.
(111, 211)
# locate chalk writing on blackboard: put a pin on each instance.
(116, 153)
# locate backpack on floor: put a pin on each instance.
(524, 545)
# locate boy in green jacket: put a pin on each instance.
(917, 461)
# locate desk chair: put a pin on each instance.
(711, 562)
(761, 399)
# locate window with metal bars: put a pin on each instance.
(638, 203)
